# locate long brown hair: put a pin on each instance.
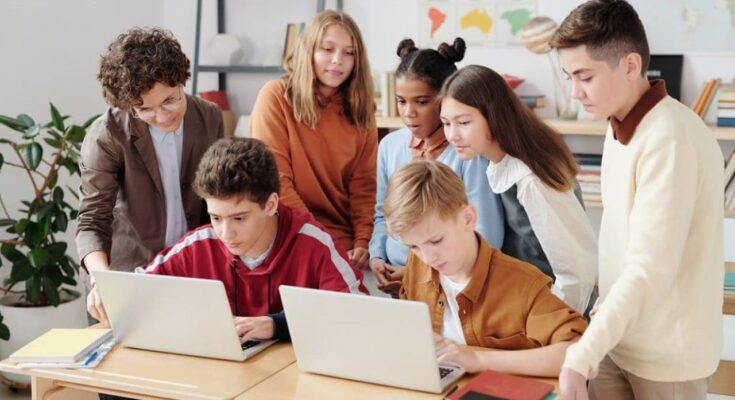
(302, 83)
(516, 128)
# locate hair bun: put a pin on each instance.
(406, 47)
(453, 53)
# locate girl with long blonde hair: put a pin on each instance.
(319, 122)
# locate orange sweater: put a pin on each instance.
(328, 171)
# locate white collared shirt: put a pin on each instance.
(169, 147)
(560, 225)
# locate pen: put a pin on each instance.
(450, 391)
(91, 358)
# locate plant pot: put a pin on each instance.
(27, 323)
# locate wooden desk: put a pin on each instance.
(290, 383)
(152, 375)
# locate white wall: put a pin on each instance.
(50, 52)
(384, 23)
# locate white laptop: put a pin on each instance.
(172, 314)
(371, 339)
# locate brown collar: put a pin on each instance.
(430, 147)
(480, 271)
(623, 130)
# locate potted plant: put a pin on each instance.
(32, 245)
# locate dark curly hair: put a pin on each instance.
(237, 167)
(138, 59)
(429, 65)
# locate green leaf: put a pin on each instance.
(38, 257)
(21, 271)
(26, 120)
(4, 332)
(33, 290)
(20, 226)
(51, 291)
(60, 222)
(75, 134)
(12, 123)
(89, 122)
(56, 118)
(53, 179)
(57, 249)
(7, 221)
(55, 143)
(11, 253)
(58, 196)
(35, 234)
(2, 160)
(33, 155)
(32, 132)
(44, 210)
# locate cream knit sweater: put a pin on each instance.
(661, 264)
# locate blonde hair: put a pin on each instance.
(420, 189)
(302, 83)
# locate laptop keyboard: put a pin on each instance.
(249, 344)
(444, 372)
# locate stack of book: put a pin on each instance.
(65, 348)
(588, 176)
(726, 106)
(730, 183)
(730, 282)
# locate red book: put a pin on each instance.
(495, 385)
(217, 97)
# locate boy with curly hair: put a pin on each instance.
(138, 159)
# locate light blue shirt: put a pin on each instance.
(169, 147)
(393, 153)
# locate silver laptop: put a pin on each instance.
(371, 339)
(172, 314)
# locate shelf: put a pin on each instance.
(262, 69)
(566, 127)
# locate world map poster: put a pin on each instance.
(479, 22)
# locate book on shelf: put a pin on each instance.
(496, 385)
(61, 345)
(730, 281)
(584, 159)
(705, 97)
(726, 105)
(533, 101)
(292, 37)
(388, 102)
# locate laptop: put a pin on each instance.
(172, 314)
(364, 338)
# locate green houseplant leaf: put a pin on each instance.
(33, 155)
(36, 257)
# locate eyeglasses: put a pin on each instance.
(170, 105)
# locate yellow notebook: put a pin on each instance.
(61, 345)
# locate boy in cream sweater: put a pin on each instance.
(656, 331)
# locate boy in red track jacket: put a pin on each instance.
(253, 244)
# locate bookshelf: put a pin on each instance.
(223, 70)
(579, 128)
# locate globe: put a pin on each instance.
(536, 34)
